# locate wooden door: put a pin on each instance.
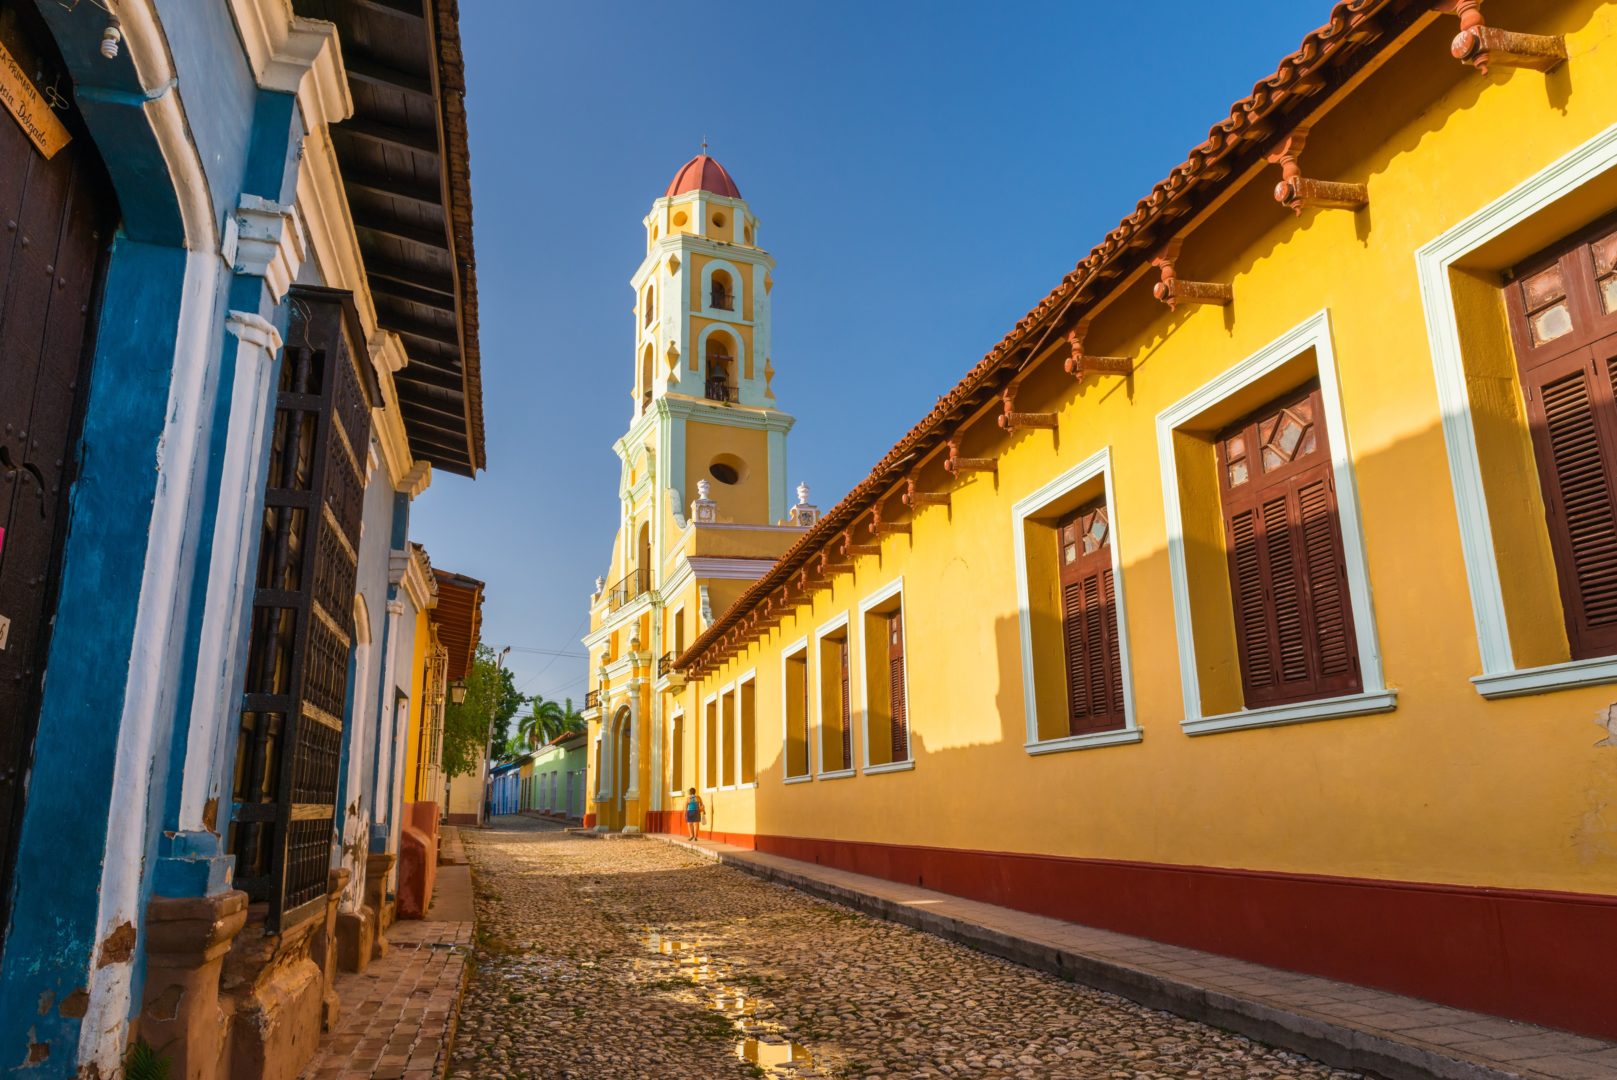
(56, 218)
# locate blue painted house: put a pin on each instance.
(238, 337)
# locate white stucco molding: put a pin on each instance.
(264, 239)
(1500, 677)
(408, 570)
(295, 55)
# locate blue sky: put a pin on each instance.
(923, 173)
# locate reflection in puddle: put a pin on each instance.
(760, 1042)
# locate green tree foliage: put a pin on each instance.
(491, 694)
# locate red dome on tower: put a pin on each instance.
(702, 173)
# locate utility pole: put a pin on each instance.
(488, 745)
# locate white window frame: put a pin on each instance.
(1312, 333)
(718, 736)
(823, 631)
(674, 724)
(1036, 505)
(1500, 676)
(706, 782)
(748, 676)
(881, 595)
(801, 645)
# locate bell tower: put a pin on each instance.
(704, 405)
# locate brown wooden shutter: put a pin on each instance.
(847, 714)
(1563, 314)
(1089, 621)
(1288, 577)
(898, 704)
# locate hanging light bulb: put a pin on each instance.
(110, 38)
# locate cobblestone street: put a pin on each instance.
(631, 958)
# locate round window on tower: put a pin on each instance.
(719, 220)
(727, 469)
(680, 219)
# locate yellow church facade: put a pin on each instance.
(1257, 592)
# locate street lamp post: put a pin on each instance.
(488, 745)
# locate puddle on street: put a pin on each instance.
(761, 1043)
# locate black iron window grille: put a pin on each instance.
(289, 745)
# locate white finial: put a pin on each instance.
(802, 493)
(704, 144)
(703, 489)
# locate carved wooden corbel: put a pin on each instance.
(880, 528)
(915, 498)
(1298, 191)
(1078, 364)
(828, 566)
(1174, 290)
(851, 549)
(1479, 44)
(955, 465)
(1011, 420)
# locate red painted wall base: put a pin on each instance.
(1544, 957)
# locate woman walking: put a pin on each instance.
(693, 813)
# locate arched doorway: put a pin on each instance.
(62, 212)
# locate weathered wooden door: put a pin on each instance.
(56, 216)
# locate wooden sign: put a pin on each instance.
(29, 108)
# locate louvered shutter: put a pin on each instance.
(898, 703)
(1563, 311)
(1089, 621)
(1288, 577)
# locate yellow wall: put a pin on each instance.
(418, 707)
(1449, 786)
(748, 499)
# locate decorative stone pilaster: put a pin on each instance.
(704, 511)
(377, 867)
(805, 513)
(186, 942)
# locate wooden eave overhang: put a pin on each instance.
(459, 619)
(405, 168)
(1330, 61)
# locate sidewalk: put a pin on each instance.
(398, 1017)
(1340, 1024)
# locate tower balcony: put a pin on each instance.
(632, 585)
(721, 390)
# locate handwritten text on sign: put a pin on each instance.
(30, 109)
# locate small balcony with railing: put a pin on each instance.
(632, 585)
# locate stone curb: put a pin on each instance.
(1331, 1040)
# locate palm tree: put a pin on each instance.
(549, 720)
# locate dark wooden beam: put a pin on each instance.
(413, 328)
(427, 198)
(408, 8)
(419, 373)
(364, 69)
(371, 221)
(417, 278)
(382, 287)
(424, 140)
